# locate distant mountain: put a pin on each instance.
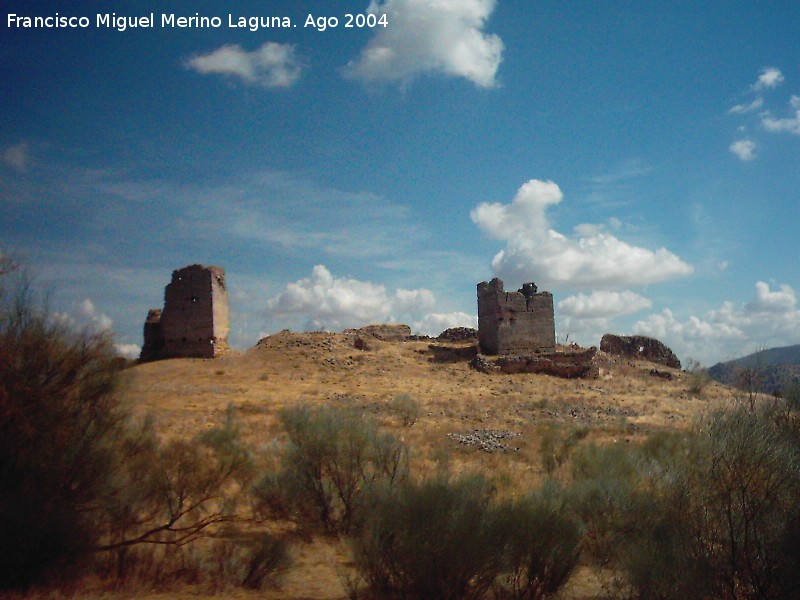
(769, 370)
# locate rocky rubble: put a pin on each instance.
(641, 347)
(486, 440)
(458, 334)
(568, 364)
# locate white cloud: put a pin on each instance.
(771, 319)
(271, 66)
(131, 351)
(90, 315)
(17, 157)
(770, 77)
(767, 301)
(746, 108)
(424, 36)
(84, 314)
(323, 301)
(744, 149)
(603, 304)
(591, 258)
(436, 323)
(788, 124)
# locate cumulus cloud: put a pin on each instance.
(744, 149)
(89, 313)
(130, 351)
(445, 36)
(272, 65)
(603, 304)
(789, 124)
(84, 314)
(746, 108)
(323, 301)
(436, 323)
(769, 77)
(17, 157)
(770, 319)
(591, 258)
(767, 301)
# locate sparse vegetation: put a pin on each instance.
(543, 547)
(405, 407)
(608, 477)
(449, 537)
(59, 423)
(698, 377)
(80, 481)
(557, 445)
(334, 456)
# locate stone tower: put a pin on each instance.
(195, 321)
(519, 322)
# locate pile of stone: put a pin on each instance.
(640, 347)
(486, 440)
(567, 365)
(386, 332)
(458, 334)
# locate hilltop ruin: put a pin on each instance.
(514, 323)
(194, 322)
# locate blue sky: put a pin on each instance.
(638, 160)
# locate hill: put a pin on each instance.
(460, 410)
(767, 371)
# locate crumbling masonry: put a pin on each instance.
(194, 322)
(515, 323)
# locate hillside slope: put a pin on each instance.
(768, 371)
(624, 404)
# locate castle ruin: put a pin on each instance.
(514, 323)
(194, 321)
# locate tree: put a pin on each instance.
(59, 422)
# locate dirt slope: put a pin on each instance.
(623, 404)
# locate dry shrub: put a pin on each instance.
(447, 538)
(80, 483)
(333, 457)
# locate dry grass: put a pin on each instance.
(625, 403)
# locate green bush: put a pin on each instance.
(77, 478)
(438, 539)
(59, 423)
(405, 407)
(543, 545)
(601, 494)
(698, 378)
(743, 501)
(249, 562)
(333, 457)
(556, 446)
(447, 538)
(710, 513)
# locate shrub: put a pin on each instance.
(713, 513)
(699, 377)
(249, 562)
(543, 547)
(447, 538)
(744, 487)
(59, 423)
(77, 477)
(405, 407)
(435, 539)
(556, 447)
(333, 457)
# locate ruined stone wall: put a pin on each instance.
(640, 346)
(519, 322)
(195, 319)
(153, 338)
